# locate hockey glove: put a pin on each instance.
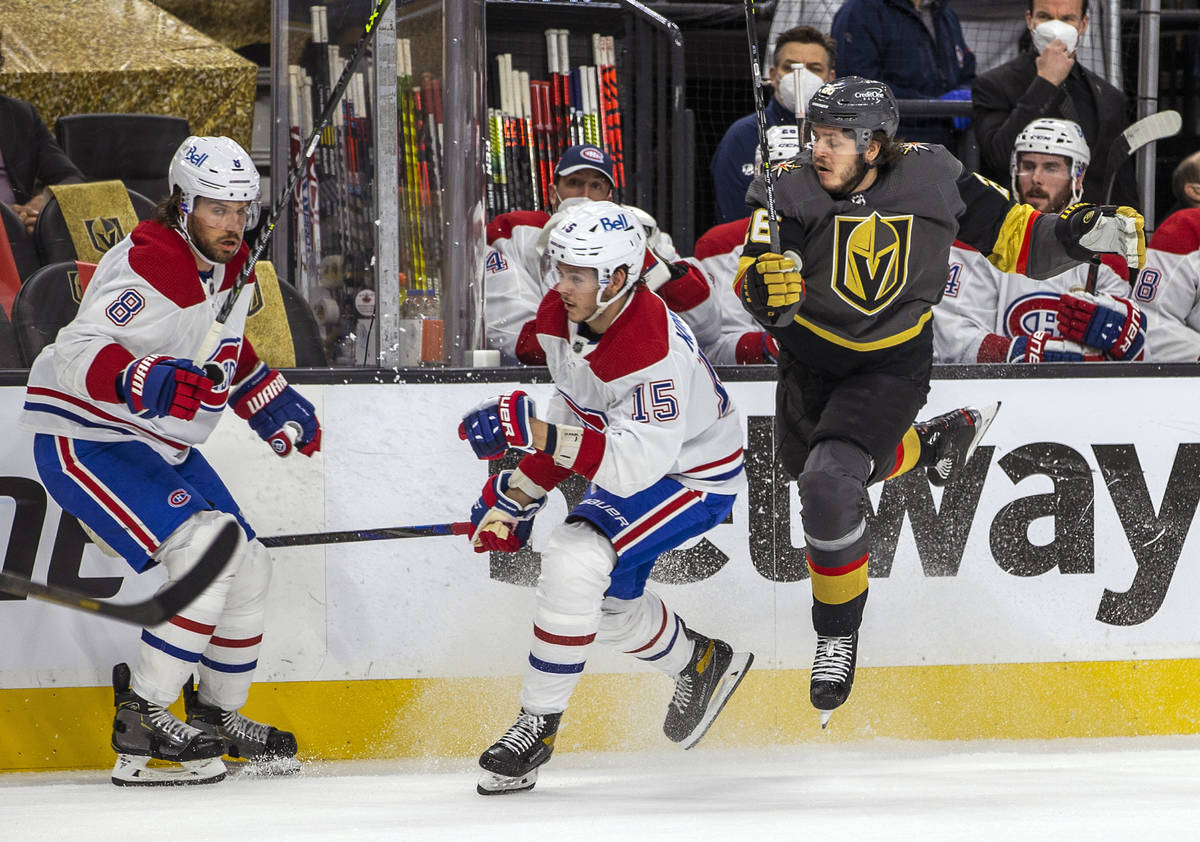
(501, 523)
(1114, 325)
(498, 424)
(756, 348)
(272, 406)
(158, 385)
(1088, 230)
(772, 288)
(1043, 347)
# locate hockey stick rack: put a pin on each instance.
(656, 131)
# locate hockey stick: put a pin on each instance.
(310, 538)
(760, 113)
(149, 612)
(1152, 127)
(281, 202)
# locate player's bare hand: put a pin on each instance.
(1055, 63)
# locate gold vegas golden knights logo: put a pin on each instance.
(104, 232)
(870, 260)
(76, 287)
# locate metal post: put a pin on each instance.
(280, 119)
(387, 197)
(1148, 34)
(1112, 42)
(463, 186)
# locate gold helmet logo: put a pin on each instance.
(104, 232)
(870, 265)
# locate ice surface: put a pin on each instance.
(1134, 788)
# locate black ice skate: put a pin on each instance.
(143, 730)
(703, 688)
(511, 764)
(948, 441)
(265, 749)
(832, 673)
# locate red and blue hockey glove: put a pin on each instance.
(1043, 347)
(272, 406)
(158, 385)
(756, 348)
(1116, 326)
(501, 523)
(498, 424)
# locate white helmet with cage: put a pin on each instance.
(599, 235)
(1052, 136)
(216, 168)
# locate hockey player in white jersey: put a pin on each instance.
(514, 274)
(119, 403)
(989, 316)
(642, 415)
(1168, 289)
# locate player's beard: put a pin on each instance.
(1053, 204)
(851, 182)
(213, 247)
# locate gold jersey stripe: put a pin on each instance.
(886, 342)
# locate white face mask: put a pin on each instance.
(1046, 32)
(797, 88)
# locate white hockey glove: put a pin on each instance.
(1088, 230)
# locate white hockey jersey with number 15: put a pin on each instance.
(649, 402)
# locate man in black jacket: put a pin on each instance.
(1048, 81)
(29, 159)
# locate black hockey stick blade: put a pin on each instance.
(308, 539)
(149, 612)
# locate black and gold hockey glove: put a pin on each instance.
(771, 287)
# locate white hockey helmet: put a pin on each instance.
(216, 168)
(599, 235)
(1052, 136)
(783, 144)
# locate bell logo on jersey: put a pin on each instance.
(870, 260)
(104, 232)
(178, 497)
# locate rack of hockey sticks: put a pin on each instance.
(535, 120)
(332, 209)
(419, 115)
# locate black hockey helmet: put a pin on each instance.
(863, 106)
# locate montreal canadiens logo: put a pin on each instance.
(592, 155)
(1031, 313)
(178, 498)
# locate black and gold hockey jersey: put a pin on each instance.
(875, 262)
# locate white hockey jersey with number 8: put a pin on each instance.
(145, 297)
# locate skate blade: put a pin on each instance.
(274, 767)
(987, 415)
(132, 770)
(492, 784)
(825, 715)
(734, 673)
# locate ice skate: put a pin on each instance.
(262, 749)
(143, 730)
(832, 673)
(948, 441)
(703, 687)
(511, 763)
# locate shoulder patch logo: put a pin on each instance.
(914, 148)
(870, 260)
